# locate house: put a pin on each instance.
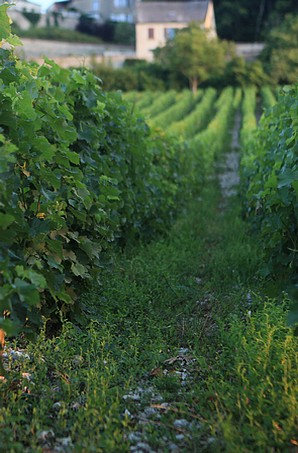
(100, 10)
(156, 22)
(118, 10)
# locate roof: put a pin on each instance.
(161, 12)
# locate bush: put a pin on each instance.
(280, 54)
(109, 31)
(270, 176)
(238, 72)
(139, 77)
(115, 79)
(124, 33)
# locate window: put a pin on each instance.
(119, 17)
(120, 3)
(150, 33)
(170, 33)
(95, 5)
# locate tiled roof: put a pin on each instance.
(171, 11)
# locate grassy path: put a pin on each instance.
(184, 353)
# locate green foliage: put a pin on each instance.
(142, 76)
(250, 20)
(238, 72)
(161, 75)
(78, 171)
(4, 22)
(5, 29)
(249, 122)
(192, 53)
(280, 54)
(115, 79)
(145, 99)
(241, 363)
(109, 31)
(292, 318)
(160, 104)
(268, 97)
(176, 112)
(124, 33)
(256, 402)
(198, 117)
(270, 177)
(214, 139)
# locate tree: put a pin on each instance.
(280, 55)
(192, 53)
(250, 20)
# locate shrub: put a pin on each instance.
(78, 172)
(270, 177)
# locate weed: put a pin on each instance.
(180, 352)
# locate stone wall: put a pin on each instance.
(74, 54)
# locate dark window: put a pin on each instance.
(151, 33)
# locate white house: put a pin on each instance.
(158, 21)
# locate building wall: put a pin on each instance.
(85, 6)
(21, 5)
(74, 54)
(145, 45)
(210, 24)
(20, 20)
(15, 12)
(119, 10)
(66, 21)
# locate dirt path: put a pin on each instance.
(149, 404)
(229, 170)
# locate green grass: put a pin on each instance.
(197, 289)
(57, 34)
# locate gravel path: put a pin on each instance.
(229, 175)
(144, 414)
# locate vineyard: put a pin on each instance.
(145, 308)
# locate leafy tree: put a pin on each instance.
(280, 54)
(193, 54)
